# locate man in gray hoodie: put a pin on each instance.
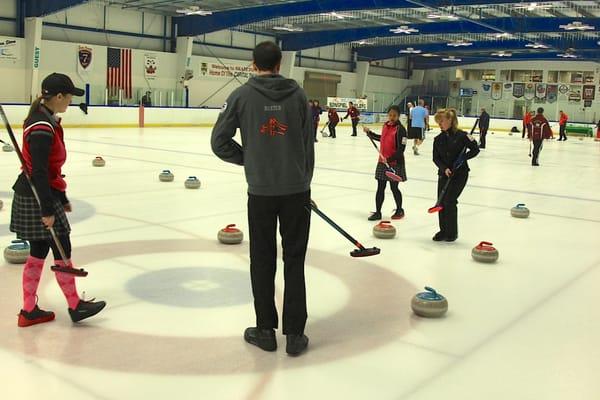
(277, 153)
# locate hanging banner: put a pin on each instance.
(529, 91)
(563, 89)
(589, 92)
(575, 94)
(341, 103)
(486, 87)
(508, 86)
(551, 93)
(85, 59)
(9, 49)
(540, 90)
(150, 66)
(454, 89)
(226, 70)
(518, 90)
(496, 91)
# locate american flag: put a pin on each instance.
(118, 73)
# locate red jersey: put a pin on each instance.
(563, 119)
(527, 118)
(43, 121)
(353, 113)
(333, 115)
(539, 128)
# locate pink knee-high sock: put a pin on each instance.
(67, 285)
(32, 272)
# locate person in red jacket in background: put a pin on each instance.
(354, 116)
(563, 126)
(526, 121)
(334, 119)
(539, 129)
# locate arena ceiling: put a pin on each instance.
(428, 31)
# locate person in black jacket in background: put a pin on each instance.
(451, 150)
(484, 124)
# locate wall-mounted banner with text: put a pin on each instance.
(341, 103)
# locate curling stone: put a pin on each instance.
(17, 252)
(7, 148)
(519, 211)
(384, 230)
(510, 133)
(192, 183)
(485, 252)
(429, 304)
(1, 204)
(99, 162)
(230, 235)
(166, 176)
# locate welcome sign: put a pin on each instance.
(342, 103)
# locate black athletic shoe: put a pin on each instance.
(86, 309)
(376, 216)
(450, 238)
(262, 338)
(352, 135)
(535, 165)
(438, 237)
(296, 344)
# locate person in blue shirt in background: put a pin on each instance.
(419, 122)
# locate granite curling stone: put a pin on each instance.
(17, 252)
(519, 211)
(192, 183)
(230, 235)
(166, 176)
(384, 230)
(99, 162)
(7, 148)
(484, 252)
(429, 304)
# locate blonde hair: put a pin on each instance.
(450, 114)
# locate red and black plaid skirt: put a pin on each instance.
(26, 219)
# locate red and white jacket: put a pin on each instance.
(539, 128)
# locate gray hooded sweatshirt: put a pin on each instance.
(275, 122)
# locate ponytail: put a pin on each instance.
(34, 106)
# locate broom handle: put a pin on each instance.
(59, 246)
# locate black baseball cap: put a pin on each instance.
(56, 83)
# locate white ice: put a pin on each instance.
(526, 327)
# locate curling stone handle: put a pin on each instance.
(520, 205)
(483, 244)
(230, 226)
(431, 290)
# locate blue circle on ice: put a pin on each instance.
(193, 287)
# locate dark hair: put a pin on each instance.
(394, 108)
(35, 104)
(266, 56)
(350, 103)
(540, 110)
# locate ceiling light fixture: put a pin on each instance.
(404, 29)
(534, 6)
(577, 26)
(536, 46)
(442, 16)
(337, 15)
(452, 58)
(460, 43)
(567, 55)
(429, 55)
(410, 50)
(194, 10)
(288, 28)
(502, 54)
(503, 35)
(363, 42)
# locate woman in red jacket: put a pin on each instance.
(45, 153)
(393, 142)
(562, 123)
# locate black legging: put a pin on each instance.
(41, 248)
(380, 196)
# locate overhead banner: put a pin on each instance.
(518, 90)
(85, 59)
(551, 93)
(486, 87)
(589, 92)
(496, 91)
(540, 90)
(341, 103)
(226, 70)
(563, 89)
(150, 66)
(9, 49)
(529, 91)
(575, 94)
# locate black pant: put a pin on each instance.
(354, 125)
(563, 132)
(482, 134)
(537, 148)
(524, 131)
(448, 217)
(41, 248)
(294, 226)
(380, 195)
(332, 126)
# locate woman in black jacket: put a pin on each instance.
(451, 150)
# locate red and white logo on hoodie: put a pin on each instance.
(273, 128)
